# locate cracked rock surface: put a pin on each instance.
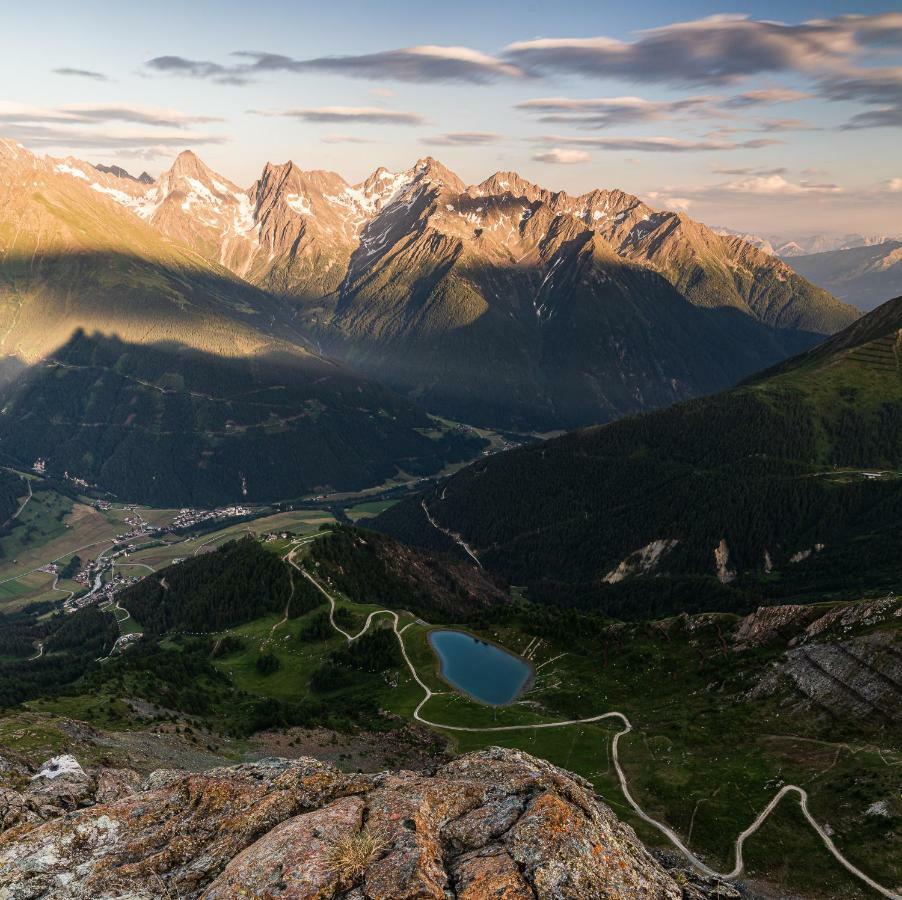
(493, 824)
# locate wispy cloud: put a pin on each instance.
(725, 49)
(430, 62)
(771, 185)
(345, 139)
(667, 201)
(747, 170)
(717, 50)
(463, 138)
(766, 97)
(655, 144)
(763, 185)
(196, 68)
(370, 115)
(87, 126)
(560, 156)
(87, 113)
(879, 87)
(80, 73)
(775, 125)
(32, 135)
(884, 117)
(604, 112)
(894, 184)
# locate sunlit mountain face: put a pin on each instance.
(501, 303)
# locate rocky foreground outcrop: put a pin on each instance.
(493, 824)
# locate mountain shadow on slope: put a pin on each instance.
(580, 337)
(167, 424)
(617, 340)
(141, 298)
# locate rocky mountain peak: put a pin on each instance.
(119, 172)
(508, 183)
(189, 168)
(429, 169)
(13, 153)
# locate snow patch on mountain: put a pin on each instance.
(71, 170)
(299, 204)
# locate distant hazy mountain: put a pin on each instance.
(119, 172)
(792, 248)
(135, 364)
(760, 243)
(864, 276)
(824, 243)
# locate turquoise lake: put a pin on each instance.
(484, 671)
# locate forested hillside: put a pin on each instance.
(167, 425)
(372, 568)
(239, 582)
(788, 484)
(12, 488)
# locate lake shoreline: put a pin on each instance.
(527, 684)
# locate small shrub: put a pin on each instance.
(351, 854)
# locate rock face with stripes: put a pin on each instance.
(846, 663)
(496, 823)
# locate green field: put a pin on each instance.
(373, 508)
(51, 528)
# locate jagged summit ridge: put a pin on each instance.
(666, 241)
(496, 303)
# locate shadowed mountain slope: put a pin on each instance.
(173, 426)
(790, 483)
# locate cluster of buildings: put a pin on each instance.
(190, 518)
(100, 591)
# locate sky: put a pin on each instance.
(781, 119)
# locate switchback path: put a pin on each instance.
(668, 832)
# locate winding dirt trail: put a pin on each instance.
(22, 506)
(664, 829)
(448, 533)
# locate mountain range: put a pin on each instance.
(499, 303)
(825, 243)
(130, 310)
(804, 245)
(866, 276)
